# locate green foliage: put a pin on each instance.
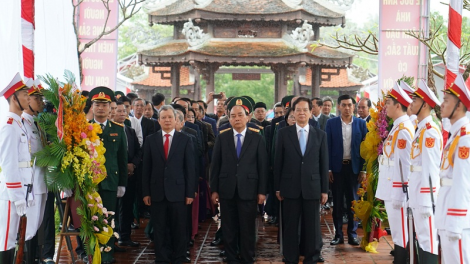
(408, 79)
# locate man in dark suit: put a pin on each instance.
(206, 118)
(345, 134)
(301, 182)
(134, 158)
(327, 107)
(114, 139)
(148, 126)
(317, 104)
(158, 100)
(363, 107)
(239, 175)
(168, 186)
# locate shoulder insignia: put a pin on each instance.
(402, 143)
(10, 121)
(260, 127)
(463, 131)
(117, 124)
(128, 118)
(401, 126)
(277, 123)
(428, 125)
(254, 129)
(429, 142)
(224, 130)
(464, 152)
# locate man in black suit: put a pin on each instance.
(317, 105)
(363, 107)
(168, 186)
(239, 173)
(301, 182)
(327, 107)
(134, 158)
(148, 126)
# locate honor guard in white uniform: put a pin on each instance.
(35, 213)
(395, 169)
(453, 202)
(409, 91)
(426, 152)
(15, 163)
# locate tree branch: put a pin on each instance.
(357, 44)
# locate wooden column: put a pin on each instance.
(210, 87)
(280, 72)
(197, 86)
(175, 80)
(316, 80)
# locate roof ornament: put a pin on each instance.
(302, 35)
(154, 5)
(194, 34)
(344, 5)
(202, 3)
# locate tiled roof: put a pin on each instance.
(155, 80)
(241, 7)
(337, 81)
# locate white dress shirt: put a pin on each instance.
(172, 133)
(346, 129)
(242, 138)
(135, 124)
(317, 117)
(298, 128)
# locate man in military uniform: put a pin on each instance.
(16, 169)
(35, 213)
(426, 152)
(453, 202)
(395, 168)
(114, 140)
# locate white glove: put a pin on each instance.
(31, 203)
(397, 205)
(66, 193)
(121, 191)
(20, 207)
(453, 236)
(424, 211)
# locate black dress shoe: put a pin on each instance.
(186, 260)
(353, 241)
(119, 249)
(222, 253)
(128, 243)
(224, 259)
(337, 241)
(321, 259)
(216, 242)
(109, 262)
(134, 226)
(191, 242)
(188, 254)
(273, 220)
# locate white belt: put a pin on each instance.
(446, 182)
(24, 164)
(386, 161)
(415, 168)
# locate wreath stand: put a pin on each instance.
(65, 217)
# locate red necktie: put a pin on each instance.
(166, 146)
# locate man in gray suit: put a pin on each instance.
(317, 114)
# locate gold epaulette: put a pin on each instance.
(260, 127)
(222, 131)
(254, 129)
(121, 125)
(128, 118)
(277, 123)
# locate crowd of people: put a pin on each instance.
(179, 165)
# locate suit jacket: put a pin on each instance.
(114, 141)
(198, 147)
(247, 174)
(134, 152)
(174, 178)
(197, 155)
(335, 143)
(213, 124)
(148, 127)
(322, 121)
(367, 119)
(301, 176)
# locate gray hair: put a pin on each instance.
(168, 108)
(327, 98)
(180, 115)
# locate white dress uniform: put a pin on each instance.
(425, 159)
(453, 202)
(35, 213)
(15, 161)
(396, 151)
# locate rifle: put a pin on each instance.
(21, 235)
(410, 217)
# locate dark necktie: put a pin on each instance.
(102, 127)
(450, 134)
(239, 145)
(166, 146)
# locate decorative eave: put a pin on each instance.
(318, 12)
(236, 52)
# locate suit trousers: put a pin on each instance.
(309, 210)
(239, 222)
(173, 215)
(49, 227)
(126, 204)
(344, 185)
